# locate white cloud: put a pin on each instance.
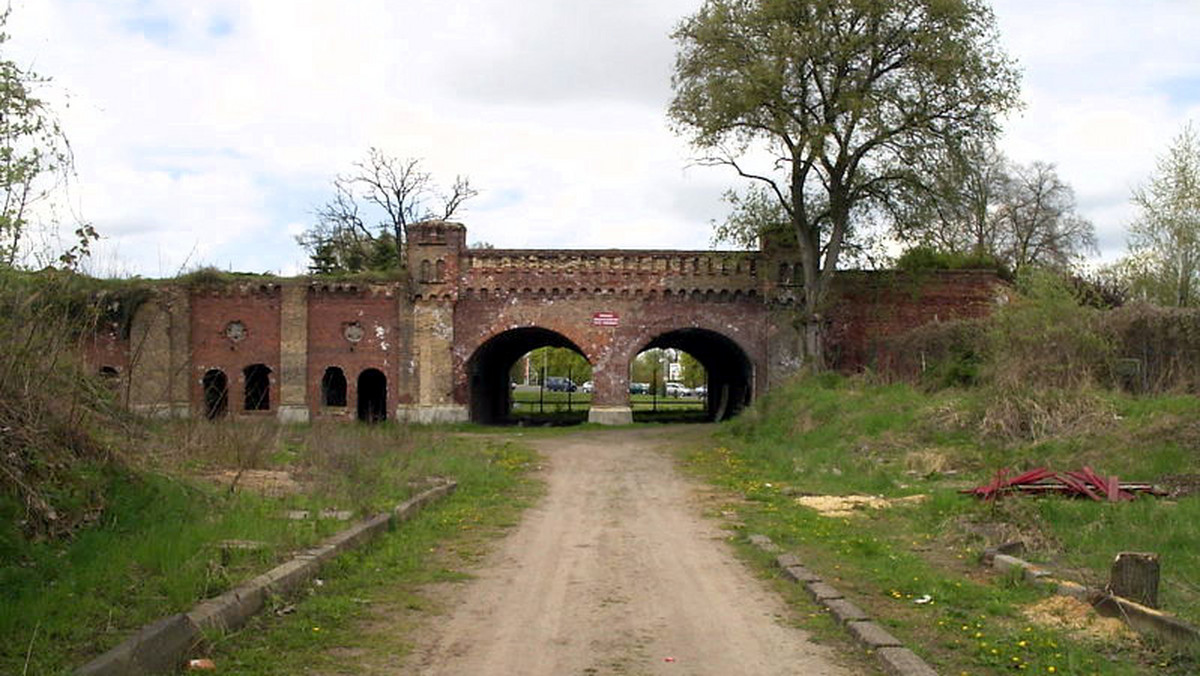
(216, 126)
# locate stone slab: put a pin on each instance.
(821, 591)
(433, 414)
(786, 561)
(903, 662)
(800, 574)
(763, 542)
(844, 611)
(1005, 562)
(610, 415)
(872, 635)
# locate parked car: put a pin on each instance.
(678, 390)
(700, 390)
(560, 384)
(587, 387)
(639, 388)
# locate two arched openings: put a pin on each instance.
(728, 371)
(371, 388)
(256, 390)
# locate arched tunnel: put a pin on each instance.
(488, 370)
(730, 372)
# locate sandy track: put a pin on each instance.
(614, 572)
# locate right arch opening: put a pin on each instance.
(730, 385)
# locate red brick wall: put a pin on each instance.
(257, 308)
(868, 306)
(331, 309)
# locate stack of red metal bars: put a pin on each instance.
(1084, 482)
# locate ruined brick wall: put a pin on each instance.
(423, 332)
(157, 354)
(869, 306)
(231, 329)
(354, 327)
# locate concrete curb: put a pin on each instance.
(1140, 618)
(895, 659)
(160, 647)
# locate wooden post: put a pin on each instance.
(1135, 576)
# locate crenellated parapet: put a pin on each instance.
(644, 275)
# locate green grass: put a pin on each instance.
(528, 401)
(153, 549)
(361, 615)
(834, 436)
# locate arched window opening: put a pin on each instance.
(372, 396)
(258, 387)
(425, 271)
(440, 271)
(216, 394)
(333, 387)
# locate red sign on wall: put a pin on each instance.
(606, 319)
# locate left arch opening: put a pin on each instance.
(489, 370)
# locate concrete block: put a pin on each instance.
(872, 635)
(230, 610)
(903, 662)
(1004, 563)
(800, 574)
(431, 415)
(1147, 620)
(844, 611)
(786, 561)
(763, 542)
(821, 591)
(158, 648)
(610, 415)
(293, 413)
(288, 576)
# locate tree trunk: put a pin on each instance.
(812, 343)
(1134, 576)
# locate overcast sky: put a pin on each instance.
(206, 132)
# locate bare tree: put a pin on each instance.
(397, 192)
(955, 207)
(1037, 219)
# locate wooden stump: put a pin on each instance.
(1134, 576)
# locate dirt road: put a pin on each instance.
(615, 572)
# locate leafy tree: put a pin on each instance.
(362, 226)
(845, 98)
(35, 161)
(558, 361)
(1163, 264)
(694, 374)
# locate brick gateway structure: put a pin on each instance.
(439, 345)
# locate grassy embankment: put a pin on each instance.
(1030, 393)
(108, 521)
(155, 547)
